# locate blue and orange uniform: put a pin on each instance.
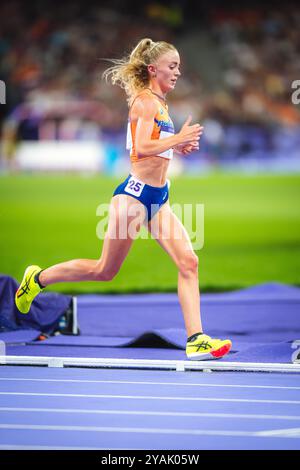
(151, 196)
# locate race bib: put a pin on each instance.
(134, 186)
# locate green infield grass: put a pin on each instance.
(251, 230)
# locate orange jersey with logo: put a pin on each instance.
(162, 127)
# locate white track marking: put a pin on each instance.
(150, 383)
(147, 397)
(151, 413)
(188, 432)
(292, 432)
(37, 447)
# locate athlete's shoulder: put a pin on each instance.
(145, 105)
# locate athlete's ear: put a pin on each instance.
(152, 70)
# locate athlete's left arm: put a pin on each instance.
(186, 149)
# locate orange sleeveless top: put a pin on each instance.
(162, 127)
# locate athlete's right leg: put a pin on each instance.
(114, 249)
(126, 216)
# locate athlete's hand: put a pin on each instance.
(189, 134)
(186, 149)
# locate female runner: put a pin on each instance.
(147, 75)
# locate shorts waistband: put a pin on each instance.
(157, 188)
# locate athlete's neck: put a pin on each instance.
(157, 92)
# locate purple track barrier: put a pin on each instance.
(262, 322)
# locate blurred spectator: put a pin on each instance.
(238, 66)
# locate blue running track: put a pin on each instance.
(45, 408)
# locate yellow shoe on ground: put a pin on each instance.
(203, 347)
(28, 289)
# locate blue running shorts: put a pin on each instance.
(151, 196)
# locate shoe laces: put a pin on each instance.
(205, 343)
(25, 289)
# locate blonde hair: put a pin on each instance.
(131, 72)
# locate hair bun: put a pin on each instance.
(142, 47)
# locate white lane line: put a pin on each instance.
(292, 432)
(36, 447)
(150, 383)
(189, 432)
(147, 397)
(151, 413)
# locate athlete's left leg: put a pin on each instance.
(170, 233)
(173, 237)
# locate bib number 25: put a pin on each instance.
(134, 187)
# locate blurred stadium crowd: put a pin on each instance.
(238, 65)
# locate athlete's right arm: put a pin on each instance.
(146, 109)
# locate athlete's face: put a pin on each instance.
(166, 71)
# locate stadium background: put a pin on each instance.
(63, 136)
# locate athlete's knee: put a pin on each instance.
(103, 273)
(104, 276)
(107, 276)
(188, 264)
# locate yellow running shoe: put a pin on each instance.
(28, 289)
(203, 347)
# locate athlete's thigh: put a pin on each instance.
(170, 233)
(126, 216)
